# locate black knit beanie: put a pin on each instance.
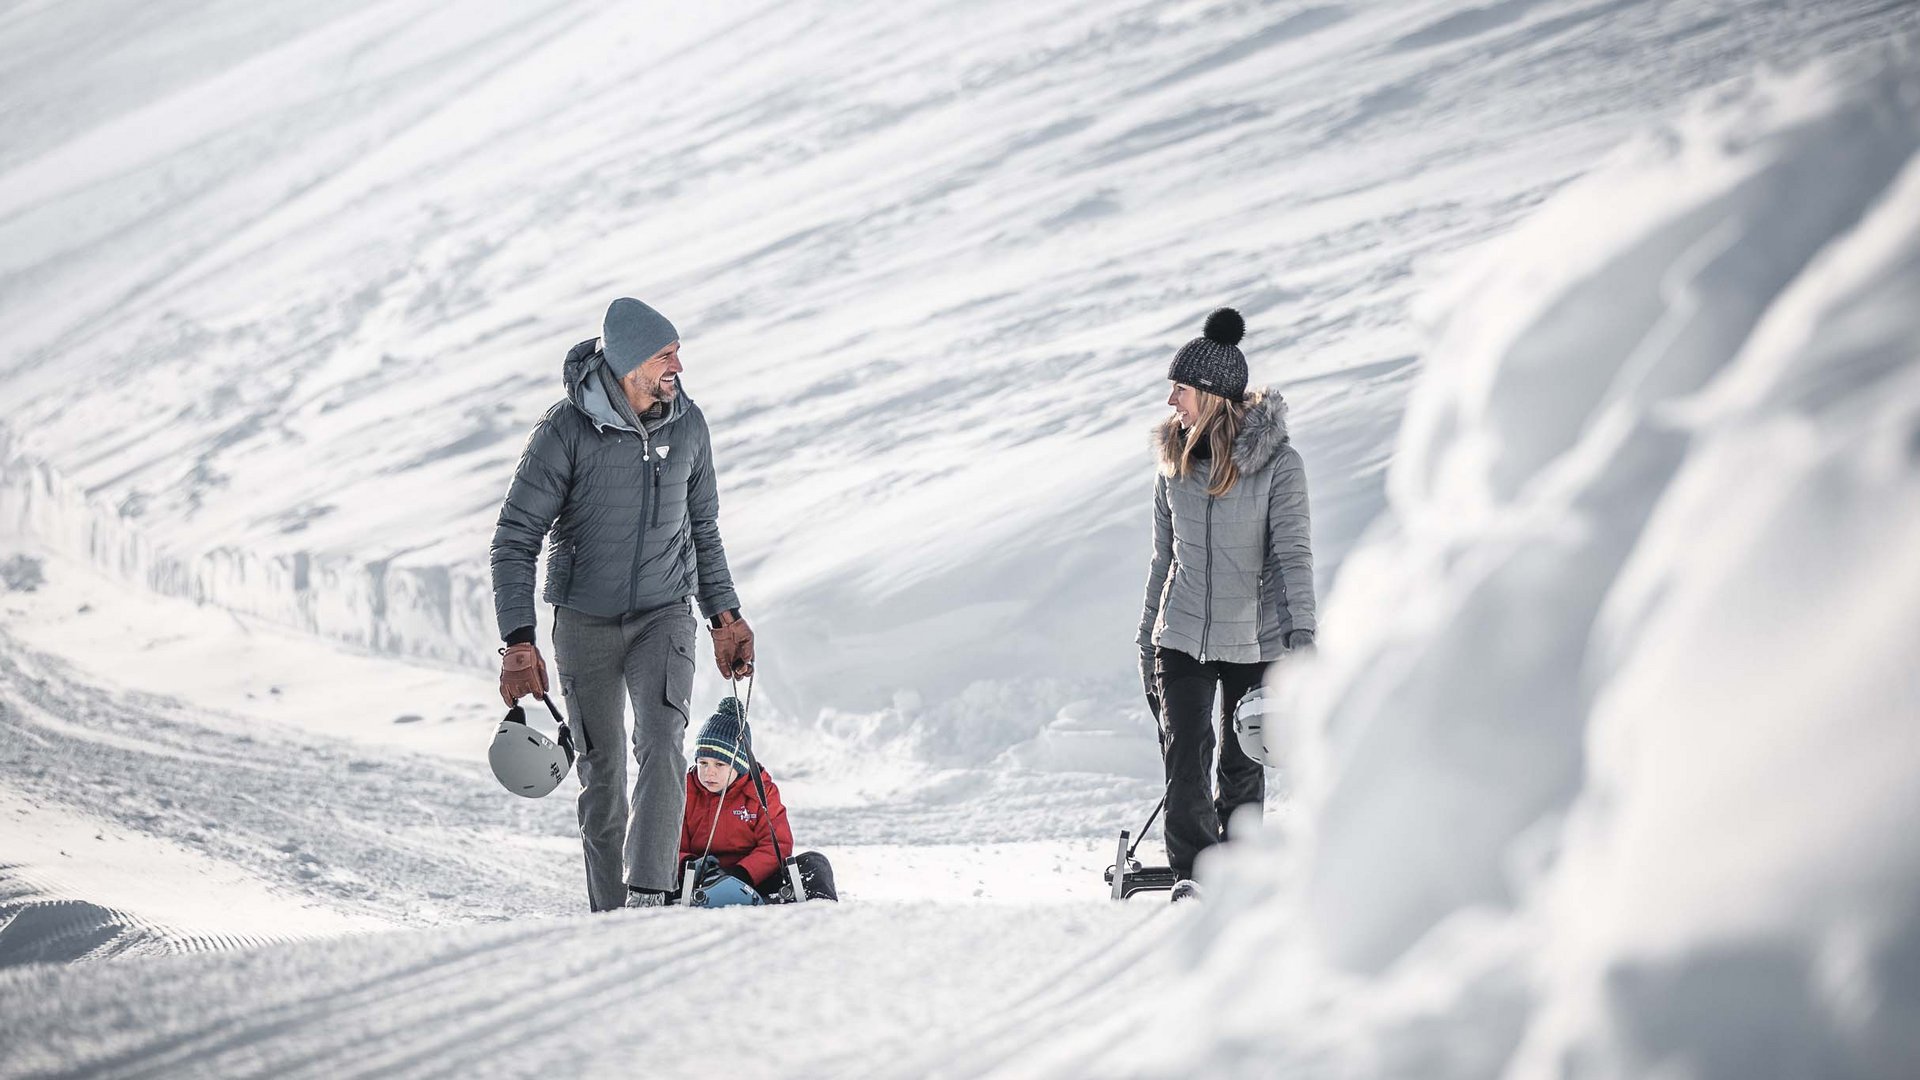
(1213, 362)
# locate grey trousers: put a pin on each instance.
(650, 655)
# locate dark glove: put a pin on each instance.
(522, 672)
(705, 871)
(733, 646)
(740, 872)
(1300, 640)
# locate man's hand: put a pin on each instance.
(733, 646)
(522, 672)
(1300, 641)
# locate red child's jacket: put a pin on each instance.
(744, 834)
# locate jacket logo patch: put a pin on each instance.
(744, 814)
(662, 451)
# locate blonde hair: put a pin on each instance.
(1219, 424)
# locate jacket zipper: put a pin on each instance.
(1206, 623)
(646, 521)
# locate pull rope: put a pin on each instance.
(721, 803)
(1148, 825)
(793, 890)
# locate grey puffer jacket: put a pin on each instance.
(1231, 576)
(632, 505)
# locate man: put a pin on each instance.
(621, 471)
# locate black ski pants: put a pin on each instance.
(1197, 816)
(816, 877)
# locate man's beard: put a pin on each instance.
(661, 390)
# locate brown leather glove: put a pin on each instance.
(522, 672)
(733, 647)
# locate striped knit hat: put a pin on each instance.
(724, 737)
(1214, 362)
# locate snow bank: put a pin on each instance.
(436, 612)
(1610, 764)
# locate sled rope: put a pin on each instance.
(794, 888)
(715, 827)
(1143, 829)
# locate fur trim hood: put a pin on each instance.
(1263, 431)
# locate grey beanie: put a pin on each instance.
(1213, 362)
(632, 333)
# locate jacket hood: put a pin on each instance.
(591, 387)
(1263, 431)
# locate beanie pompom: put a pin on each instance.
(729, 708)
(1226, 327)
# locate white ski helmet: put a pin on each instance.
(1250, 725)
(525, 761)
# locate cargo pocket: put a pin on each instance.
(679, 674)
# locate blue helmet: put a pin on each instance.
(726, 892)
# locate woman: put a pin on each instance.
(1231, 584)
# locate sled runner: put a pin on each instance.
(1126, 876)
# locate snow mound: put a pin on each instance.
(1609, 764)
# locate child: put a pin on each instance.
(726, 824)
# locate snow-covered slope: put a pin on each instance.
(1605, 765)
(1612, 768)
(283, 326)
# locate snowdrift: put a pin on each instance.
(1609, 767)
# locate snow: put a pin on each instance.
(227, 664)
(1612, 756)
(156, 897)
(743, 986)
(999, 204)
(1603, 768)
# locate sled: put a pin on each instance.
(1133, 877)
(1126, 876)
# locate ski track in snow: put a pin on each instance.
(398, 837)
(363, 829)
(590, 995)
(408, 837)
